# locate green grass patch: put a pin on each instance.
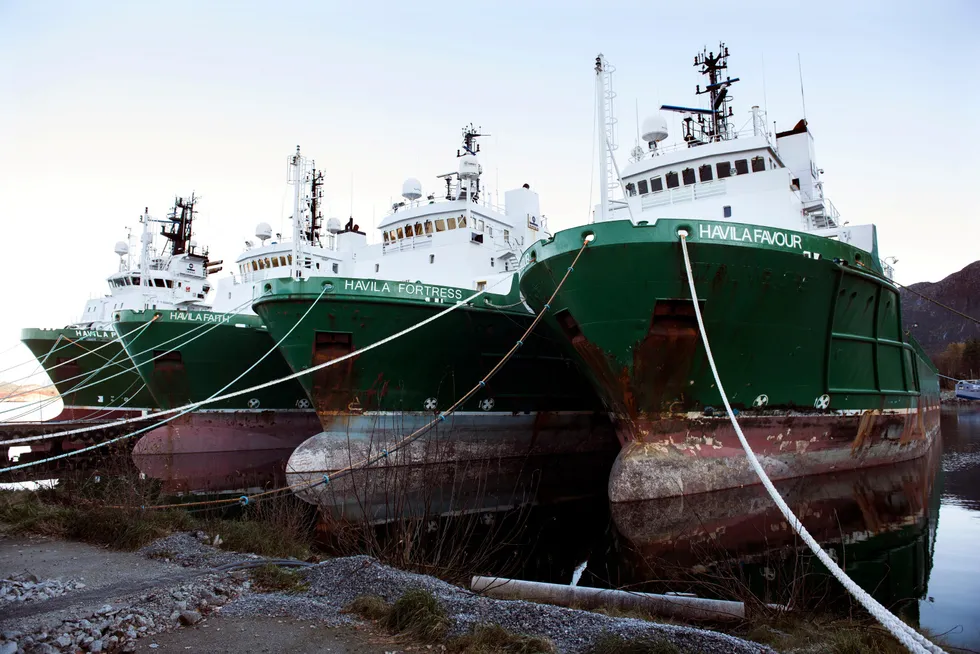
(494, 639)
(276, 579)
(613, 644)
(417, 614)
(370, 607)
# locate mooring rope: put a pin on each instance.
(245, 500)
(219, 398)
(135, 335)
(909, 637)
(936, 302)
(54, 348)
(86, 375)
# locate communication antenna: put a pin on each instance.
(799, 65)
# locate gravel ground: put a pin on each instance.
(198, 591)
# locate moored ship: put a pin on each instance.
(804, 322)
(85, 361)
(188, 356)
(433, 255)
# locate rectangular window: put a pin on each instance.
(170, 283)
(631, 189)
(758, 164)
(642, 187)
(428, 226)
(401, 232)
(479, 225)
(724, 169)
(158, 283)
(705, 172)
(451, 222)
(506, 236)
(386, 236)
(290, 259)
(440, 225)
(377, 267)
(727, 210)
(672, 180)
(490, 229)
(432, 258)
(255, 265)
(741, 167)
(656, 184)
(481, 286)
(336, 268)
(408, 230)
(688, 175)
(392, 235)
(460, 222)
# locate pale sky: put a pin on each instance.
(107, 107)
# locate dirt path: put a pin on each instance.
(233, 635)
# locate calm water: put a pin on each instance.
(906, 533)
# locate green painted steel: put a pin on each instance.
(426, 369)
(791, 317)
(209, 351)
(95, 378)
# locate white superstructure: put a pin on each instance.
(460, 239)
(171, 277)
(718, 173)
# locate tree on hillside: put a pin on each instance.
(970, 366)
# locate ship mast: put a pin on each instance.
(604, 96)
(316, 215)
(297, 177)
(181, 228)
(469, 169)
(146, 242)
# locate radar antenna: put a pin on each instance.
(316, 214)
(712, 124)
(181, 226)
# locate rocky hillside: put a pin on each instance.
(935, 327)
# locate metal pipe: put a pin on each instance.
(677, 606)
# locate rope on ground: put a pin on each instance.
(220, 398)
(245, 500)
(912, 639)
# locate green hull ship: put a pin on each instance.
(91, 371)
(804, 324)
(189, 356)
(434, 256)
(86, 362)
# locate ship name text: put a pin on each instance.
(404, 288)
(199, 317)
(92, 333)
(755, 235)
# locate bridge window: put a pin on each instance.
(255, 265)
(158, 283)
(656, 184)
(401, 232)
(741, 167)
(440, 225)
(418, 229)
(408, 230)
(724, 169)
(170, 283)
(688, 175)
(393, 235)
(672, 180)
(758, 164)
(428, 226)
(705, 172)
(451, 222)
(385, 234)
(644, 189)
(460, 222)
(631, 189)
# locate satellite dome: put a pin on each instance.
(122, 248)
(263, 231)
(193, 243)
(469, 166)
(654, 128)
(412, 189)
(334, 226)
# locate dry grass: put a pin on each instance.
(275, 579)
(417, 614)
(613, 644)
(370, 607)
(494, 639)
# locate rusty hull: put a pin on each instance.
(673, 456)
